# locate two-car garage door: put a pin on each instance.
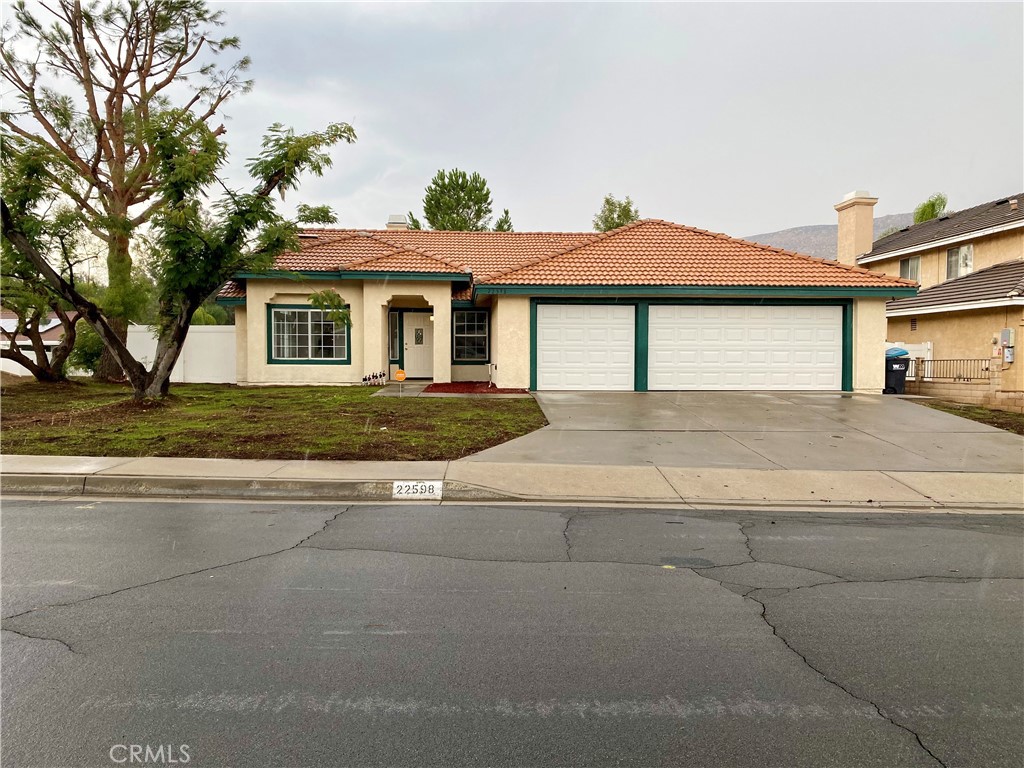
(691, 346)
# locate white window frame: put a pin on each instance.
(314, 318)
(964, 261)
(913, 268)
(486, 335)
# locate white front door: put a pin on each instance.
(708, 346)
(418, 349)
(585, 346)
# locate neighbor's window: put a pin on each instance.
(959, 261)
(307, 334)
(469, 336)
(910, 268)
(394, 318)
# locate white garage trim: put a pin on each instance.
(585, 347)
(745, 347)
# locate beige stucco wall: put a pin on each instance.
(868, 344)
(241, 345)
(994, 249)
(510, 341)
(958, 334)
(368, 302)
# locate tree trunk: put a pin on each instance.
(168, 349)
(108, 369)
(119, 282)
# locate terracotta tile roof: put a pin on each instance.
(481, 253)
(1004, 211)
(995, 283)
(647, 252)
(232, 289)
(655, 252)
(406, 261)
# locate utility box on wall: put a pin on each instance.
(1006, 337)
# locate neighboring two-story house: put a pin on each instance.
(970, 265)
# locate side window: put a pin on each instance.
(910, 268)
(959, 261)
(393, 336)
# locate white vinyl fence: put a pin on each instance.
(207, 358)
(922, 350)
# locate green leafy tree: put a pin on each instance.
(457, 201)
(316, 214)
(86, 82)
(87, 350)
(615, 213)
(196, 250)
(504, 222)
(932, 208)
(22, 291)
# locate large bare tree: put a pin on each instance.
(88, 81)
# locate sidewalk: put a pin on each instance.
(477, 481)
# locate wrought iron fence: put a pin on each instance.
(964, 369)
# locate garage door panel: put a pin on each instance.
(745, 347)
(585, 347)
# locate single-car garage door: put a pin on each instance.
(585, 346)
(702, 346)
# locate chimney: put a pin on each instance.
(856, 226)
(397, 221)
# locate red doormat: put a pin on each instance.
(470, 388)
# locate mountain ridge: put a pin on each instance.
(820, 239)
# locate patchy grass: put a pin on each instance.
(223, 421)
(1011, 422)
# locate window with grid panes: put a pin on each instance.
(307, 334)
(470, 330)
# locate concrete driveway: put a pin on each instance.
(759, 430)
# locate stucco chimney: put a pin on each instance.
(397, 221)
(856, 226)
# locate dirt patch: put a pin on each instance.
(470, 388)
(1011, 422)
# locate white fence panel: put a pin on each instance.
(922, 350)
(207, 358)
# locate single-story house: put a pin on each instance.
(649, 306)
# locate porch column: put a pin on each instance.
(373, 329)
(440, 298)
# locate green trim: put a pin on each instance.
(271, 360)
(847, 381)
(641, 348)
(351, 274)
(230, 301)
(533, 345)
(487, 312)
(627, 291)
(642, 326)
(400, 311)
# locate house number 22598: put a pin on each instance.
(416, 489)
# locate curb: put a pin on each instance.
(342, 491)
(230, 488)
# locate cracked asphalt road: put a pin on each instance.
(318, 635)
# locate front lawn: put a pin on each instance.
(223, 421)
(1011, 422)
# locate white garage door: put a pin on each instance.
(702, 346)
(585, 346)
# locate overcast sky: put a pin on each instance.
(738, 118)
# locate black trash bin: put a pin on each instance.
(896, 366)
